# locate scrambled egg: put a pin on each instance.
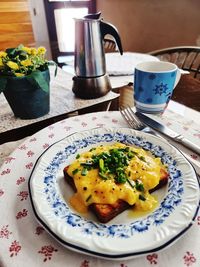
(108, 173)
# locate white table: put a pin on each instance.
(62, 103)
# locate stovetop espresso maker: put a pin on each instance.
(91, 80)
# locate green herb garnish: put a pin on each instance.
(142, 158)
(87, 163)
(75, 171)
(84, 172)
(141, 197)
(130, 183)
(111, 164)
(139, 186)
(103, 176)
(88, 198)
(92, 149)
(101, 164)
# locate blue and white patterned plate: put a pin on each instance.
(125, 236)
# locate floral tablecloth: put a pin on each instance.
(23, 242)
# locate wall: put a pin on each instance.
(147, 25)
(39, 24)
(15, 24)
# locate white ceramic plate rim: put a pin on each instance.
(116, 247)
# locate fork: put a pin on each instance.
(134, 122)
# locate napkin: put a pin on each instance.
(118, 65)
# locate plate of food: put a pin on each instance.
(114, 193)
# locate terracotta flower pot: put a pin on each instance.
(27, 98)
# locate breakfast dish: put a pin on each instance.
(112, 178)
(127, 234)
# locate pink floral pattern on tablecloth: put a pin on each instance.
(19, 228)
(1, 192)
(20, 180)
(23, 195)
(85, 263)
(6, 171)
(15, 248)
(9, 159)
(5, 232)
(39, 230)
(189, 259)
(153, 258)
(22, 214)
(23, 147)
(47, 252)
(30, 153)
(33, 139)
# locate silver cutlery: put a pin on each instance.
(168, 132)
(141, 122)
(133, 121)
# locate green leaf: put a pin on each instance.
(3, 82)
(20, 47)
(11, 52)
(36, 78)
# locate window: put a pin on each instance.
(60, 22)
(64, 19)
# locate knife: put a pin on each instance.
(168, 132)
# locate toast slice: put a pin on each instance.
(106, 212)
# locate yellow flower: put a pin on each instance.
(22, 60)
(33, 51)
(12, 65)
(26, 63)
(3, 54)
(17, 74)
(41, 50)
(26, 49)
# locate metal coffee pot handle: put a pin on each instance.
(107, 28)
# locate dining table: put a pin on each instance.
(25, 241)
(63, 103)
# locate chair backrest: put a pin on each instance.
(185, 57)
(109, 45)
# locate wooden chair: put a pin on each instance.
(109, 45)
(187, 91)
(185, 57)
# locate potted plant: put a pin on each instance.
(24, 80)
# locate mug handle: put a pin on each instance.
(178, 76)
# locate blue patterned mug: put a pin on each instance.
(154, 82)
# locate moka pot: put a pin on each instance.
(91, 80)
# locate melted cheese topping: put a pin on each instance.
(143, 168)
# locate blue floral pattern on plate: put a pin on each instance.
(88, 227)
